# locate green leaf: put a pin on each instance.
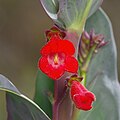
(95, 5)
(44, 92)
(102, 75)
(7, 85)
(19, 107)
(51, 7)
(70, 13)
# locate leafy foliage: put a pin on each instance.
(6, 85)
(102, 75)
(44, 92)
(20, 107)
(65, 12)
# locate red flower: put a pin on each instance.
(57, 58)
(81, 97)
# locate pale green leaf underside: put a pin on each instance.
(65, 12)
(102, 75)
(20, 107)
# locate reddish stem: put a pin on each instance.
(55, 111)
(62, 106)
(61, 95)
(55, 104)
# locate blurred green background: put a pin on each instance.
(22, 25)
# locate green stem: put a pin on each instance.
(83, 74)
(88, 59)
(76, 113)
(84, 68)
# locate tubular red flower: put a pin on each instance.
(57, 58)
(81, 97)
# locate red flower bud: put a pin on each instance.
(55, 31)
(81, 97)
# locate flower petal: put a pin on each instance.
(45, 67)
(66, 47)
(56, 73)
(75, 88)
(51, 46)
(91, 95)
(56, 44)
(71, 64)
(43, 64)
(82, 102)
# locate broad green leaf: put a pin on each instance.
(67, 13)
(7, 85)
(19, 107)
(95, 5)
(102, 75)
(22, 108)
(44, 92)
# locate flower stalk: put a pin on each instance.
(84, 68)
